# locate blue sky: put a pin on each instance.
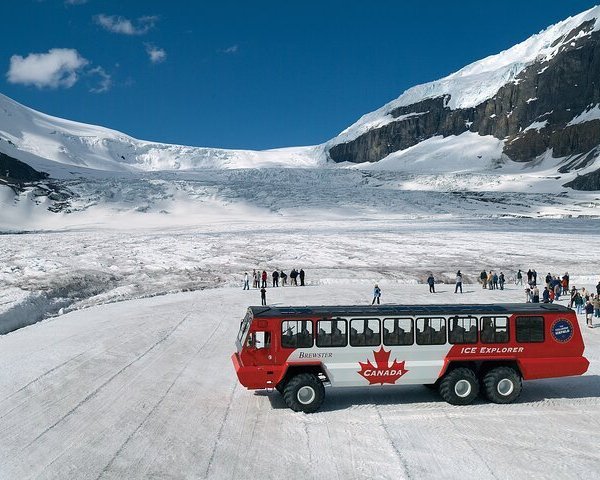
(240, 74)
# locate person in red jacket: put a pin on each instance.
(264, 279)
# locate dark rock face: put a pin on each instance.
(550, 93)
(15, 170)
(589, 182)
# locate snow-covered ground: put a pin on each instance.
(146, 389)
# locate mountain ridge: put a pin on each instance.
(489, 115)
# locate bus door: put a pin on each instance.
(258, 348)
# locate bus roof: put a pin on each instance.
(409, 310)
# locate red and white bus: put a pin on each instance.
(458, 349)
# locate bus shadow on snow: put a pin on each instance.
(534, 391)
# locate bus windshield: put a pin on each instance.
(244, 326)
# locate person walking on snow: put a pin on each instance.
(301, 275)
(589, 310)
(502, 280)
(264, 279)
(458, 282)
(431, 282)
(596, 304)
(483, 279)
(376, 294)
(263, 296)
(578, 302)
(246, 282)
(519, 278)
(536, 294)
(255, 282)
(546, 295)
(275, 275)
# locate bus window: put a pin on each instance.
(332, 333)
(398, 331)
(259, 340)
(431, 331)
(365, 332)
(494, 330)
(530, 329)
(296, 334)
(462, 330)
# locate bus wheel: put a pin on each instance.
(280, 387)
(304, 393)
(502, 385)
(459, 386)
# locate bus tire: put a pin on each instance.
(304, 393)
(280, 387)
(502, 385)
(459, 386)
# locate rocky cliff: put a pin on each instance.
(549, 106)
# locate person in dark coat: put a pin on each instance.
(294, 277)
(301, 274)
(483, 278)
(598, 288)
(546, 295)
(263, 296)
(431, 282)
(283, 277)
(589, 310)
(275, 275)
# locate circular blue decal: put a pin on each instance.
(562, 330)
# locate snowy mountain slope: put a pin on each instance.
(62, 146)
(525, 120)
(480, 80)
(537, 101)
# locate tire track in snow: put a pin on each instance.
(48, 372)
(94, 352)
(220, 432)
(159, 403)
(399, 455)
(472, 447)
(104, 384)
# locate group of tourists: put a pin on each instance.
(492, 280)
(555, 287)
(260, 280)
(584, 301)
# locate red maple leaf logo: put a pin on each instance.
(383, 372)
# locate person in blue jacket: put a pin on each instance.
(546, 295)
(376, 294)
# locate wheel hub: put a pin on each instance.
(505, 387)
(306, 395)
(463, 388)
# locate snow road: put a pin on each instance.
(146, 389)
